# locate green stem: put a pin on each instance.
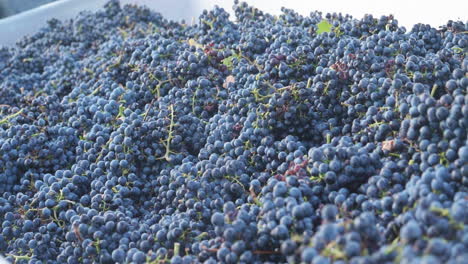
(176, 249)
(5, 120)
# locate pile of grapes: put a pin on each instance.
(129, 138)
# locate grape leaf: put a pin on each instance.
(193, 42)
(323, 26)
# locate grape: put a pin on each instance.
(126, 137)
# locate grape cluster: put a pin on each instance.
(129, 138)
